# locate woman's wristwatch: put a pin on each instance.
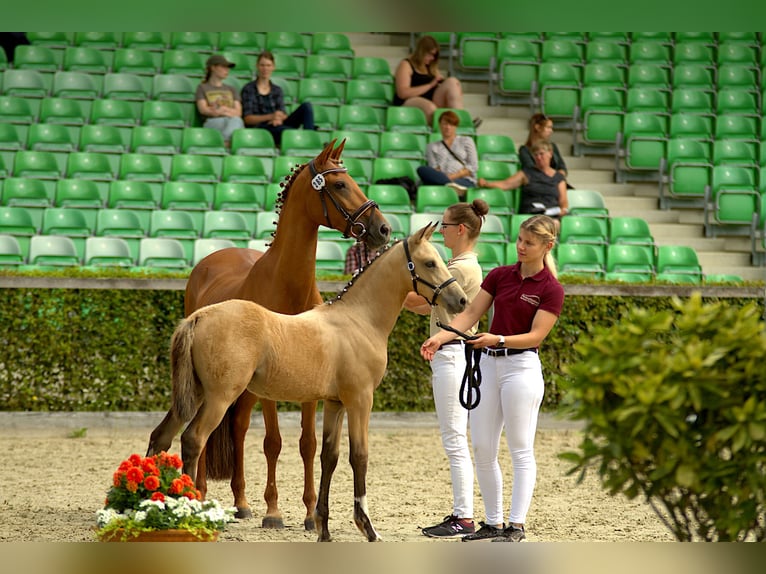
(501, 341)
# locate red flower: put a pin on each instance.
(187, 480)
(151, 482)
(131, 486)
(177, 486)
(158, 496)
(135, 474)
(117, 478)
(190, 494)
(124, 466)
(135, 459)
(148, 465)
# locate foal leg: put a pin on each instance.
(272, 446)
(308, 448)
(196, 434)
(358, 423)
(331, 426)
(240, 423)
(162, 436)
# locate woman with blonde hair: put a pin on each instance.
(527, 299)
(419, 83)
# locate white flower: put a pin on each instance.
(107, 515)
(139, 516)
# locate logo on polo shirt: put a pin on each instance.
(531, 299)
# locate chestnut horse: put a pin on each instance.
(222, 350)
(282, 279)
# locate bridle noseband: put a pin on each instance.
(417, 279)
(354, 227)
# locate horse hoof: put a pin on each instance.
(308, 524)
(243, 513)
(272, 522)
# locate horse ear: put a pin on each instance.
(326, 153)
(427, 231)
(338, 150)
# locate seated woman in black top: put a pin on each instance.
(541, 129)
(543, 189)
(419, 83)
(263, 103)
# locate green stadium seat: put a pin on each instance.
(113, 112)
(86, 59)
(163, 114)
(330, 257)
(245, 169)
(601, 50)
(560, 84)
(685, 172)
(174, 87)
(648, 74)
(10, 251)
(51, 137)
(604, 74)
(17, 221)
(738, 76)
(286, 43)
(51, 39)
(496, 147)
(580, 259)
(495, 170)
(100, 40)
(693, 51)
(514, 75)
(126, 194)
(359, 117)
(391, 198)
(265, 224)
(34, 57)
(200, 168)
(499, 201)
(640, 99)
(369, 92)
(37, 164)
(495, 229)
(320, 90)
(78, 85)
(16, 110)
(708, 38)
(747, 38)
(630, 230)
(731, 200)
(284, 165)
(108, 252)
(127, 86)
(622, 258)
(79, 193)
(678, 259)
(136, 61)
(121, 223)
(88, 165)
(253, 141)
(561, 50)
(490, 255)
(406, 119)
(271, 194)
(371, 68)
(735, 152)
(327, 66)
(162, 252)
(175, 224)
(226, 224)
(435, 198)
(361, 170)
(587, 202)
(388, 167)
(713, 278)
(643, 144)
(693, 101)
(13, 137)
(238, 197)
(245, 42)
(403, 145)
(25, 84)
(694, 75)
(143, 167)
(68, 221)
(584, 229)
(599, 118)
(357, 144)
(737, 53)
(64, 111)
(737, 101)
(289, 66)
(649, 51)
(475, 54)
(53, 250)
(184, 62)
(105, 139)
(302, 143)
(244, 64)
(205, 246)
(154, 140)
(196, 41)
(736, 127)
(325, 117)
(184, 195)
(24, 192)
(692, 126)
(203, 141)
(334, 43)
(154, 41)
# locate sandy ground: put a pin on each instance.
(52, 482)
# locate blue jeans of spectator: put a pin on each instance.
(303, 116)
(431, 176)
(225, 125)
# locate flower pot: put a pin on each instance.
(172, 535)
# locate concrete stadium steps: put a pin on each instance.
(729, 255)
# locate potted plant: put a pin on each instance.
(151, 500)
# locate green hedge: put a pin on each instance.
(107, 350)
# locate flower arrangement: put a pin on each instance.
(150, 494)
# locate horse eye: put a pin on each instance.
(431, 264)
(340, 184)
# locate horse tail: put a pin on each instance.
(186, 392)
(219, 450)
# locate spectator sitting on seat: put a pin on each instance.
(218, 103)
(357, 256)
(419, 83)
(541, 128)
(263, 103)
(543, 189)
(452, 161)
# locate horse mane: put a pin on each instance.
(356, 275)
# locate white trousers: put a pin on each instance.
(447, 366)
(511, 394)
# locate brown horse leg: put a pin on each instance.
(196, 434)
(331, 427)
(240, 424)
(358, 421)
(308, 447)
(162, 436)
(272, 446)
(201, 482)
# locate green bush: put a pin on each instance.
(674, 404)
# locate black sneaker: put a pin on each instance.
(511, 534)
(486, 531)
(452, 526)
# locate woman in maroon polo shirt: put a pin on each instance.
(527, 301)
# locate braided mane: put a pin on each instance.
(359, 272)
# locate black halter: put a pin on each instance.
(354, 228)
(417, 279)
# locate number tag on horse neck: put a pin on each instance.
(318, 182)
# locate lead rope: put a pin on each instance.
(472, 374)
